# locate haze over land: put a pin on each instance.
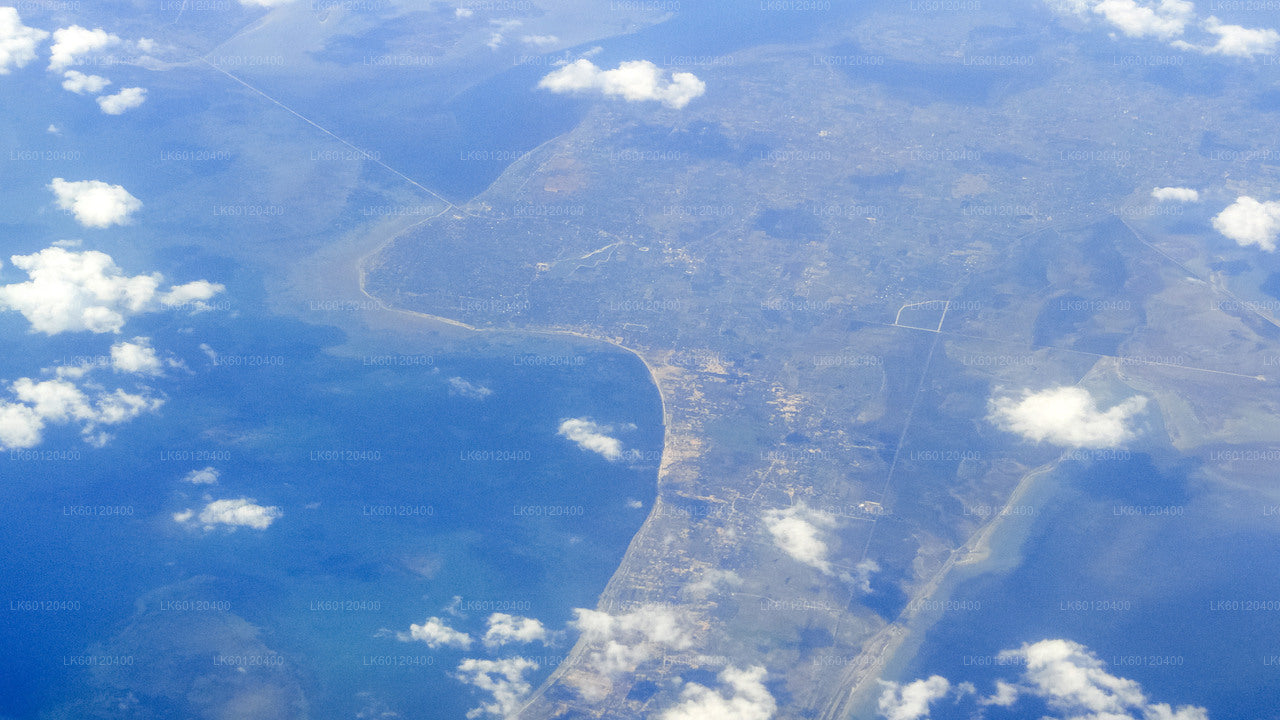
(945, 330)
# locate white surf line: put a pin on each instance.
(363, 153)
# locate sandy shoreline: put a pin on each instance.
(331, 272)
(883, 648)
(879, 651)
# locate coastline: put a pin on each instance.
(890, 646)
(611, 590)
(893, 645)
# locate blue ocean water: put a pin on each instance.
(398, 494)
(1179, 631)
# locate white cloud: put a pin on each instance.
(635, 80)
(504, 629)
(540, 41)
(136, 356)
(618, 644)
(1060, 674)
(1250, 222)
(74, 291)
(40, 403)
(1169, 19)
(1066, 416)
(436, 634)
(54, 400)
(1073, 681)
(747, 698)
(713, 579)
(590, 436)
(1006, 695)
(1234, 40)
(1162, 19)
(72, 44)
(123, 101)
(463, 13)
(862, 573)
(20, 426)
(18, 42)
(192, 294)
(1175, 194)
(80, 84)
(797, 531)
(207, 476)
(460, 387)
(503, 678)
(232, 514)
(911, 701)
(94, 203)
(60, 401)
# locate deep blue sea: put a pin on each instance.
(1199, 615)
(398, 494)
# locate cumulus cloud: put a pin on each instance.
(540, 41)
(123, 101)
(1169, 20)
(1075, 682)
(1250, 222)
(1067, 416)
(746, 698)
(503, 678)
(192, 295)
(136, 356)
(462, 388)
(1175, 194)
(80, 84)
(713, 579)
(1234, 40)
(1162, 19)
(435, 633)
(634, 81)
(94, 203)
(1063, 675)
(618, 644)
(20, 426)
(232, 513)
(798, 532)
(590, 436)
(18, 42)
(206, 476)
(505, 629)
(1006, 695)
(72, 44)
(911, 701)
(74, 291)
(60, 401)
(69, 397)
(862, 572)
